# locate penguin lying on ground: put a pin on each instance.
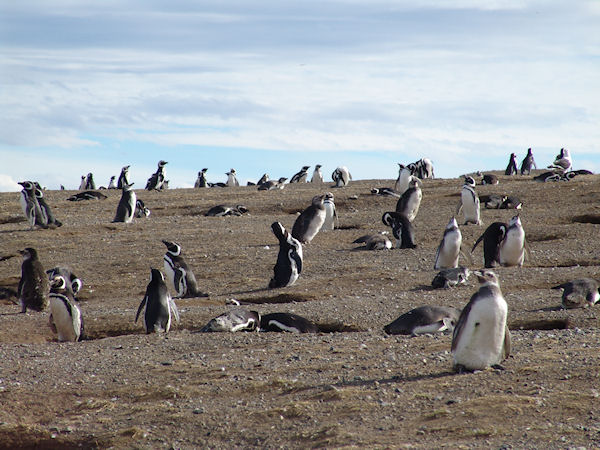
(87, 195)
(449, 278)
(424, 319)
(373, 242)
(234, 320)
(287, 322)
(580, 293)
(224, 210)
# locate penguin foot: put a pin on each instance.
(498, 367)
(460, 369)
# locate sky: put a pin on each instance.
(271, 86)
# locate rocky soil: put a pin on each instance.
(347, 386)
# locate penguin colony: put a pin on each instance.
(480, 335)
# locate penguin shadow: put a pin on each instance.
(250, 291)
(422, 287)
(391, 380)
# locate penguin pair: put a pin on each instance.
(179, 273)
(503, 243)
(34, 206)
(242, 320)
(156, 182)
(341, 176)
(300, 177)
(158, 304)
(469, 202)
(65, 316)
(201, 180)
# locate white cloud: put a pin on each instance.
(8, 184)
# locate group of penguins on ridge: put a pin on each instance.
(480, 339)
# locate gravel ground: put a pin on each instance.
(348, 386)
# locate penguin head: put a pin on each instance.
(172, 247)
(452, 224)
(58, 284)
(515, 221)
(329, 196)
(415, 182)
(486, 277)
(318, 200)
(27, 185)
(156, 275)
(318, 166)
(162, 163)
(305, 168)
(282, 180)
(125, 168)
(241, 209)
(469, 181)
(28, 253)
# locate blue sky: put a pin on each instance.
(270, 86)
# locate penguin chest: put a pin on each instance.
(449, 250)
(158, 314)
(512, 248)
(66, 318)
(329, 221)
(412, 205)
(470, 203)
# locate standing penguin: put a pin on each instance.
(127, 204)
(408, 204)
(300, 177)
(449, 248)
(512, 247)
(580, 293)
(157, 179)
(403, 180)
(402, 229)
(317, 176)
(310, 221)
(65, 316)
(511, 169)
(111, 183)
(33, 286)
(90, 184)
(289, 259)
(82, 183)
(563, 161)
(528, 162)
(231, 179)
(159, 305)
(123, 177)
(45, 207)
(469, 202)
(341, 176)
(492, 238)
(481, 337)
(201, 181)
(30, 205)
(330, 213)
(178, 273)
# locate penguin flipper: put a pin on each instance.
(142, 304)
(507, 343)
(477, 242)
(174, 309)
(180, 282)
(460, 325)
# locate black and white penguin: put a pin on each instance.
(402, 229)
(408, 204)
(469, 202)
(123, 177)
(489, 179)
(127, 204)
(373, 242)
(511, 202)
(90, 184)
(159, 305)
(224, 210)
(271, 185)
(237, 319)
(289, 259)
(300, 177)
(492, 238)
(512, 247)
(511, 169)
(65, 316)
(31, 207)
(580, 293)
(263, 179)
(449, 278)
(481, 337)
(111, 183)
(403, 180)
(201, 180)
(424, 319)
(341, 176)
(426, 168)
(82, 183)
(492, 201)
(179, 274)
(545, 177)
(310, 221)
(33, 286)
(157, 179)
(563, 161)
(385, 191)
(528, 163)
(448, 251)
(289, 322)
(317, 176)
(331, 217)
(74, 283)
(87, 195)
(141, 210)
(232, 180)
(49, 217)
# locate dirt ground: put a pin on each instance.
(348, 386)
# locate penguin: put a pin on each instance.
(448, 251)
(527, 163)
(481, 337)
(74, 283)
(179, 274)
(317, 176)
(33, 287)
(87, 195)
(231, 179)
(237, 319)
(492, 201)
(89, 182)
(426, 168)
(408, 204)
(492, 238)
(123, 177)
(127, 204)
(300, 177)
(65, 316)
(263, 179)
(512, 247)
(341, 176)
(271, 185)
(449, 278)
(287, 322)
(403, 180)
(511, 202)
(563, 161)
(424, 319)
(223, 210)
(544, 177)
(511, 169)
(580, 293)
(140, 209)
(49, 218)
(82, 183)
(385, 191)
(402, 229)
(289, 259)
(310, 221)
(111, 183)
(201, 180)
(489, 179)
(469, 202)
(157, 179)
(331, 217)
(159, 305)
(30, 205)
(373, 242)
